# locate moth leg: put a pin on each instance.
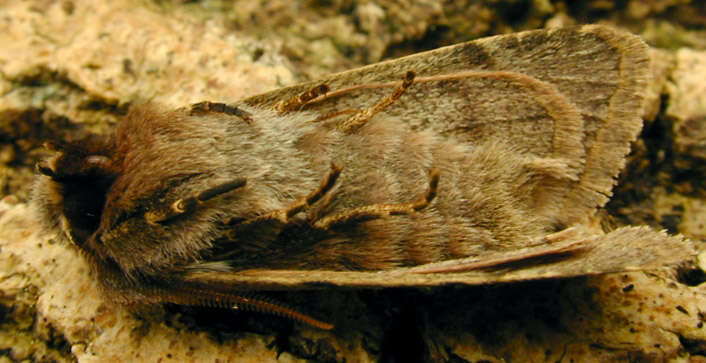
(361, 117)
(188, 205)
(375, 211)
(205, 107)
(285, 215)
(301, 99)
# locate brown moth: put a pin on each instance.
(475, 163)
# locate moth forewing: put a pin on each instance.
(601, 71)
(625, 249)
(465, 164)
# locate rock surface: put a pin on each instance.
(68, 67)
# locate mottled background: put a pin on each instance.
(70, 67)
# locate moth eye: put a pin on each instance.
(186, 206)
(83, 204)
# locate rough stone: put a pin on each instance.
(687, 104)
(68, 67)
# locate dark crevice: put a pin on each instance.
(403, 340)
(453, 358)
(691, 276)
(43, 77)
(434, 37)
(33, 126)
(514, 12)
(48, 346)
(693, 346)
(58, 342)
(22, 132)
(649, 163)
(593, 11)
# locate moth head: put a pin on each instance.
(142, 199)
(71, 189)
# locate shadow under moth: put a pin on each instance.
(476, 163)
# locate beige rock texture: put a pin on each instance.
(70, 67)
(688, 112)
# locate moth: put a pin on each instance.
(476, 163)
